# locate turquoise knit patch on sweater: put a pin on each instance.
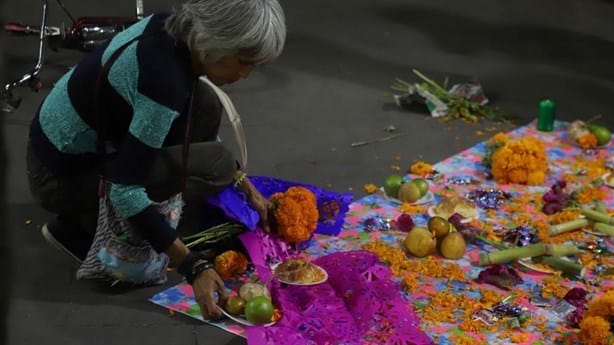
(128, 200)
(62, 124)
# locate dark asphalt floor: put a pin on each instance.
(330, 88)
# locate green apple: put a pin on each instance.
(392, 185)
(602, 133)
(422, 184)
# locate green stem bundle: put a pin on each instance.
(458, 107)
(214, 233)
(532, 250)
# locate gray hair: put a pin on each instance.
(218, 28)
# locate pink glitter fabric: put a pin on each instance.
(359, 304)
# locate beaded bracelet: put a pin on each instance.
(240, 180)
(193, 265)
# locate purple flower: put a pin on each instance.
(552, 208)
(575, 317)
(576, 297)
(456, 220)
(555, 199)
(500, 276)
(405, 222)
(552, 196)
(469, 232)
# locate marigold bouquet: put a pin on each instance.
(295, 214)
(230, 263)
(520, 161)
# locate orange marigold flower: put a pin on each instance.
(595, 330)
(590, 194)
(521, 162)
(587, 141)
(230, 263)
(565, 216)
(602, 306)
(500, 138)
(593, 167)
(370, 188)
(520, 337)
(421, 168)
(296, 214)
(412, 209)
(553, 287)
(536, 178)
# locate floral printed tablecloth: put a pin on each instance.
(446, 303)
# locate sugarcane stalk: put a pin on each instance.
(600, 207)
(557, 250)
(597, 216)
(605, 229)
(532, 250)
(566, 266)
(567, 226)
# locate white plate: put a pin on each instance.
(432, 213)
(428, 198)
(595, 233)
(608, 180)
(241, 320)
(527, 263)
(302, 284)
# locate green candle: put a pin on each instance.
(545, 115)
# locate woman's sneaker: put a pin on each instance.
(70, 243)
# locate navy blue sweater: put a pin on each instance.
(144, 109)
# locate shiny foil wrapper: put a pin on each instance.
(488, 199)
(377, 223)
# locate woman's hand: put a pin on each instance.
(205, 285)
(261, 204)
(263, 207)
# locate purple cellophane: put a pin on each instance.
(332, 206)
(358, 304)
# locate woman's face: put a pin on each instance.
(227, 70)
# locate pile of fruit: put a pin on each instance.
(253, 303)
(588, 135)
(410, 191)
(439, 235)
